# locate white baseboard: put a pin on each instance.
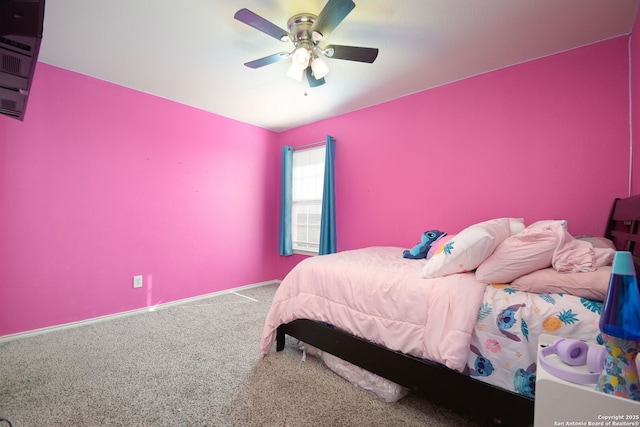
(40, 331)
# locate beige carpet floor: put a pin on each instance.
(193, 364)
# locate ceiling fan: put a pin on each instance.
(306, 31)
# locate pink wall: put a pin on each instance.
(635, 108)
(101, 183)
(544, 139)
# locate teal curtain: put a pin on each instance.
(286, 194)
(328, 218)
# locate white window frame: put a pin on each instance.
(308, 183)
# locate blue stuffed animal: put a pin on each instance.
(420, 250)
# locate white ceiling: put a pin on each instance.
(192, 51)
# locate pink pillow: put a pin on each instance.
(604, 248)
(546, 223)
(592, 285)
(528, 251)
(598, 242)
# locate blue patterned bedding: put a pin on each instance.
(504, 342)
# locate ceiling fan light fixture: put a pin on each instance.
(305, 32)
(319, 68)
(295, 72)
(300, 58)
(316, 36)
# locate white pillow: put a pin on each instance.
(468, 248)
(516, 225)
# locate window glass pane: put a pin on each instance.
(308, 180)
(306, 225)
(308, 174)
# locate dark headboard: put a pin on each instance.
(622, 227)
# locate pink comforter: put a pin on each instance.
(376, 294)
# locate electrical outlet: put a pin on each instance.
(137, 281)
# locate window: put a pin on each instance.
(306, 206)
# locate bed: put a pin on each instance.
(461, 333)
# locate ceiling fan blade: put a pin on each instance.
(331, 15)
(352, 53)
(257, 63)
(313, 82)
(259, 23)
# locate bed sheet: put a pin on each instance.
(503, 344)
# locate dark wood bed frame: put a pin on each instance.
(436, 382)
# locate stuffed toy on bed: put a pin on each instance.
(420, 250)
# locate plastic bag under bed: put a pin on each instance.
(381, 387)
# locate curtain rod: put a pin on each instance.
(313, 144)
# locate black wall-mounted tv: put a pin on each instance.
(21, 26)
